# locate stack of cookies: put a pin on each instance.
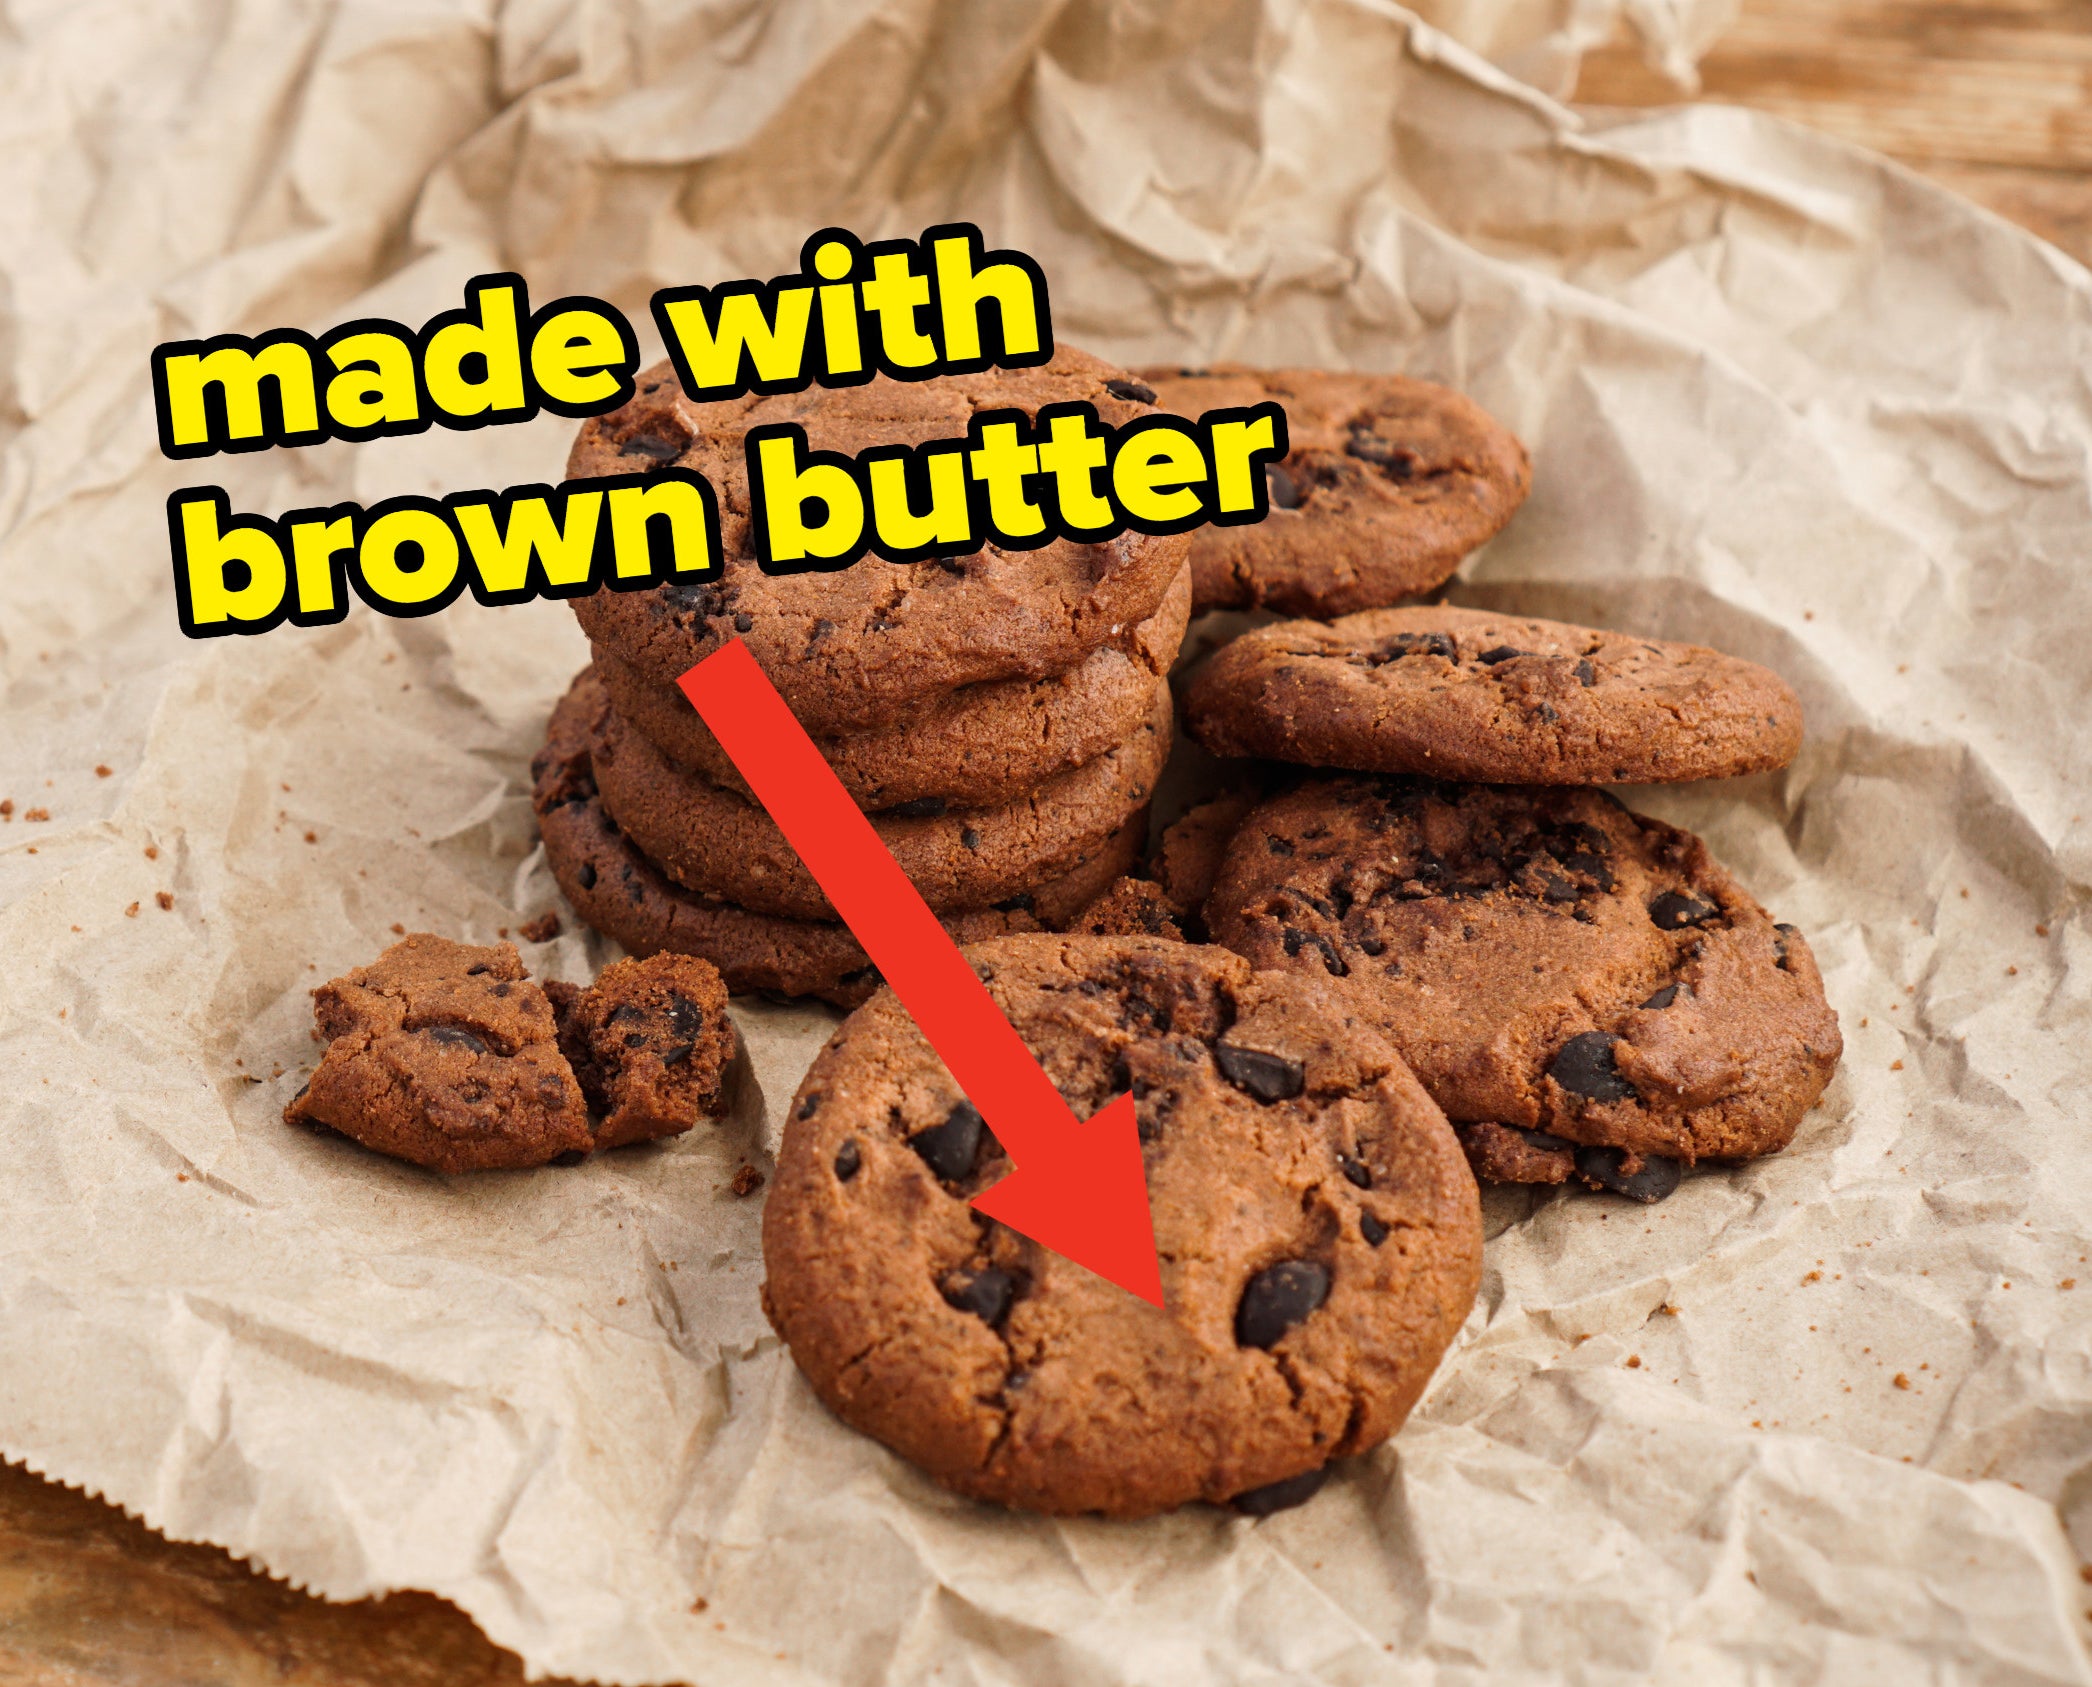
(1002, 717)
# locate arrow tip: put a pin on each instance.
(1083, 1192)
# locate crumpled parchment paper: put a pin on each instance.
(1827, 1417)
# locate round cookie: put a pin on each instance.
(722, 845)
(1319, 1236)
(1547, 963)
(620, 893)
(978, 746)
(852, 649)
(1464, 694)
(1388, 482)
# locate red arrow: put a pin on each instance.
(1079, 1187)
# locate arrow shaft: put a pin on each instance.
(852, 865)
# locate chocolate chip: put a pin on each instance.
(1278, 1297)
(986, 1294)
(1780, 934)
(304, 1090)
(1355, 1170)
(1502, 653)
(1278, 846)
(587, 875)
(810, 1105)
(1673, 912)
(1284, 494)
(699, 595)
(1281, 1496)
(743, 621)
(847, 1159)
(1546, 1141)
(685, 1017)
(969, 837)
(676, 1054)
(949, 1149)
(1371, 1229)
(658, 448)
(1585, 673)
(1132, 391)
(1399, 645)
(1295, 940)
(1268, 1077)
(1658, 1177)
(1662, 999)
(1559, 889)
(1397, 461)
(1584, 1066)
(821, 629)
(918, 808)
(456, 1036)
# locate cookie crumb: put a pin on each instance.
(1634, 1361)
(1813, 1277)
(312, 837)
(2039, 930)
(152, 852)
(7, 812)
(131, 913)
(501, 931)
(102, 771)
(181, 1177)
(2012, 972)
(1895, 1066)
(542, 929)
(36, 814)
(398, 930)
(2067, 1283)
(165, 898)
(746, 1181)
(698, 1606)
(1900, 1380)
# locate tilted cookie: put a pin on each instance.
(1387, 484)
(1319, 1238)
(1547, 963)
(851, 650)
(1465, 694)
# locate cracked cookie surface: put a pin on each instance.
(1318, 1229)
(619, 892)
(1388, 482)
(1465, 694)
(446, 1055)
(716, 843)
(1548, 963)
(851, 647)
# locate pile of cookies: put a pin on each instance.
(1412, 943)
(1002, 717)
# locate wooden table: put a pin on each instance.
(1991, 97)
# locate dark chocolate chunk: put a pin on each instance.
(811, 1105)
(1545, 1140)
(1284, 495)
(1662, 999)
(969, 837)
(587, 875)
(1268, 1077)
(1584, 1066)
(1585, 673)
(655, 447)
(1502, 653)
(1132, 391)
(1780, 934)
(986, 1294)
(1396, 461)
(1658, 1177)
(1371, 1229)
(1278, 1297)
(456, 1036)
(918, 808)
(847, 1160)
(743, 621)
(1356, 1170)
(1674, 912)
(949, 1149)
(1281, 1496)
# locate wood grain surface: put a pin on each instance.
(1993, 98)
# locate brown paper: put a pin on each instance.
(1826, 1417)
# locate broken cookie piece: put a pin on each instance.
(445, 1055)
(650, 1042)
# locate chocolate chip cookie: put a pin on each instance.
(853, 650)
(446, 1055)
(1319, 1237)
(1548, 964)
(978, 746)
(620, 893)
(1130, 908)
(718, 844)
(1388, 483)
(1464, 694)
